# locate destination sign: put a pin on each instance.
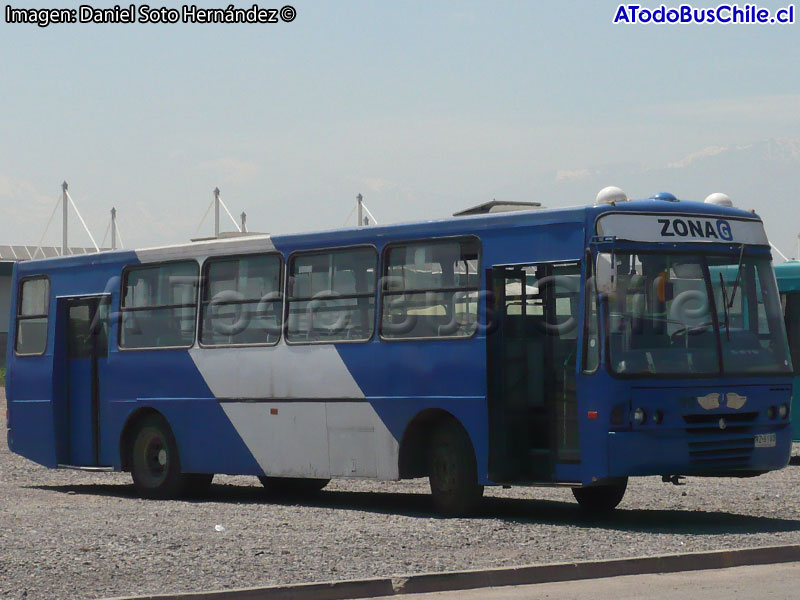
(681, 228)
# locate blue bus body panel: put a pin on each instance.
(205, 436)
(79, 421)
(448, 375)
(399, 379)
(166, 381)
(692, 440)
(207, 440)
(36, 389)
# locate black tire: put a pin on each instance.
(293, 486)
(453, 472)
(155, 461)
(601, 498)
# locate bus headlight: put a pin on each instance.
(783, 411)
(639, 416)
(658, 417)
(772, 412)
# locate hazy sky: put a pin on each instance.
(423, 107)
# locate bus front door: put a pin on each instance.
(532, 348)
(87, 345)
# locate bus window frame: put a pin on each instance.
(18, 316)
(124, 280)
(590, 297)
(204, 283)
(286, 298)
(479, 288)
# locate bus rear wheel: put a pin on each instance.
(155, 461)
(601, 498)
(453, 472)
(293, 486)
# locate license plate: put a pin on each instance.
(766, 440)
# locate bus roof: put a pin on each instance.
(375, 233)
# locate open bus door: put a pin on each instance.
(86, 341)
(532, 350)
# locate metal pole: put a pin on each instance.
(778, 251)
(244, 222)
(113, 228)
(216, 212)
(360, 199)
(64, 217)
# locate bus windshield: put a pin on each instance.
(678, 314)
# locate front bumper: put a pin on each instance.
(698, 452)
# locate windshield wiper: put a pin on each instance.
(727, 303)
(725, 307)
(738, 277)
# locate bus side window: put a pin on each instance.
(241, 300)
(32, 310)
(159, 306)
(430, 290)
(331, 296)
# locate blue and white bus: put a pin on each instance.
(575, 347)
(788, 275)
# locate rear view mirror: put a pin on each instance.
(605, 273)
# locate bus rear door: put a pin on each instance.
(86, 348)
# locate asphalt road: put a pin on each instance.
(763, 582)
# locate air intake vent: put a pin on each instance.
(497, 206)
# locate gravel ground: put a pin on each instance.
(69, 534)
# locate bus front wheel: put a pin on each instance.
(601, 498)
(453, 472)
(155, 462)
